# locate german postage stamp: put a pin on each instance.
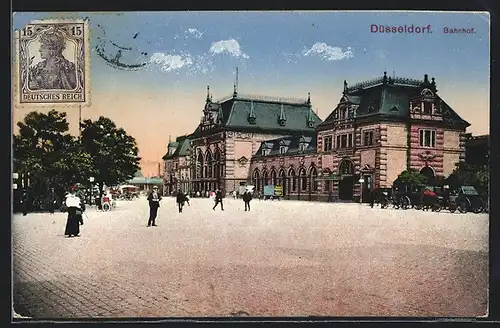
(53, 63)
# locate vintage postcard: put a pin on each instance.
(53, 63)
(251, 164)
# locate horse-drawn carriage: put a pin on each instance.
(436, 198)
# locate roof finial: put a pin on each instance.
(426, 78)
(309, 98)
(235, 91)
(345, 86)
(385, 77)
(169, 138)
(208, 93)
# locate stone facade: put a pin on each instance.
(229, 133)
(379, 129)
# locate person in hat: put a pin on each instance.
(247, 197)
(218, 200)
(24, 202)
(154, 199)
(54, 71)
(181, 199)
(75, 208)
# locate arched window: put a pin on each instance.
(274, 181)
(293, 179)
(346, 167)
(208, 166)
(428, 172)
(199, 165)
(217, 164)
(265, 178)
(256, 179)
(313, 173)
(328, 183)
(303, 179)
(281, 177)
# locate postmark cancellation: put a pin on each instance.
(52, 63)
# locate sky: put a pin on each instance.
(285, 54)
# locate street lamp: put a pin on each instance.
(361, 181)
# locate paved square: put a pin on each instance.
(284, 258)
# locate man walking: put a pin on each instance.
(218, 199)
(24, 203)
(154, 202)
(181, 198)
(247, 197)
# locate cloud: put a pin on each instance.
(194, 33)
(169, 63)
(327, 52)
(201, 65)
(231, 47)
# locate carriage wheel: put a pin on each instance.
(463, 206)
(452, 209)
(405, 203)
(436, 208)
(106, 207)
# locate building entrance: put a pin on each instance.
(346, 183)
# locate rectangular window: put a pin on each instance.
(338, 141)
(343, 141)
(427, 138)
(349, 140)
(327, 143)
(368, 138)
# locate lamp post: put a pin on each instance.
(91, 179)
(361, 181)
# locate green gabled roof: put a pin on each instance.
(391, 99)
(267, 114)
(290, 142)
(182, 147)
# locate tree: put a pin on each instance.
(477, 176)
(38, 146)
(411, 177)
(112, 151)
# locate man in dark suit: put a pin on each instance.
(52, 200)
(218, 199)
(181, 198)
(24, 202)
(247, 197)
(154, 203)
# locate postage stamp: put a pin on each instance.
(53, 63)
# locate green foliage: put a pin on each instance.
(113, 152)
(411, 177)
(53, 158)
(477, 176)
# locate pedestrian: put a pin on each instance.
(181, 198)
(247, 197)
(75, 209)
(52, 200)
(154, 202)
(218, 199)
(24, 202)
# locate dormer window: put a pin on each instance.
(310, 124)
(302, 146)
(427, 108)
(282, 150)
(266, 151)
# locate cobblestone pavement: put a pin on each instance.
(284, 258)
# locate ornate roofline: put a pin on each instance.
(269, 99)
(395, 81)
